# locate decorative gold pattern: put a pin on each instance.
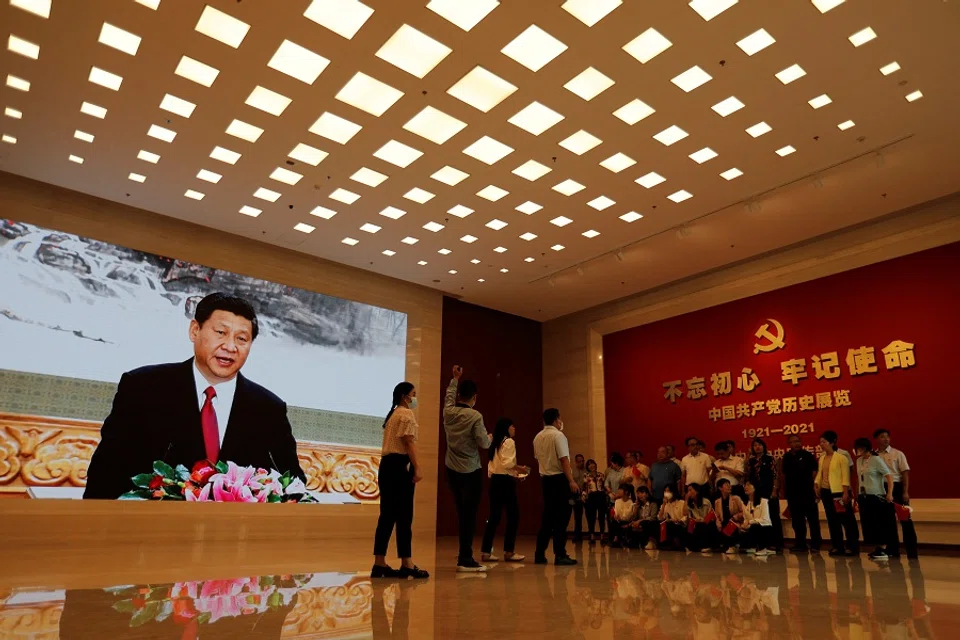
(39, 621)
(330, 611)
(47, 452)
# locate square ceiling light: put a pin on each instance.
(785, 151)
(194, 195)
(647, 46)
(450, 176)
(146, 156)
(632, 216)
(592, 233)
(692, 78)
(434, 125)
(225, 155)
(16, 114)
(488, 150)
(568, 187)
(137, 177)
(444, 252)
(368, 177)
(862, 37)
(759, 129)
(244, 131)
(531, 170)
(196, 71)
(398, 154)
(105, 78)
(589, 83)
(535, 118)
(422, 263)
(501, 250)
(435, 227)
(493, 193)
(460, 211)
(528, 236)
(344, 196)
(335, 128)
(23, 47)
(298, 62)
(411, 241)
(890, 68)
(731, 174)
(820, 101)
(119, 39)
(93, 110)
(728, 106)
(393, 213)
(474, 261)
(9, 139)
(37, 7)
(370, 228)
(481, 89)
(650, 180)
(266, 194)
(590, 12)
(601, 202)
(413, 51)
(634, 111)
(209, 176)
(369, 94)
(253, 212)
(791, 73)
(756, 42)
(534, 48)
(303, 227)
(389, 253)
(848, 124)
(17, 83)
(222, 27)
(529, 207)
(469, 239)
(618, 162)
(161, 133)
(310, 155)
(73, 158)
(710, 9)
(496, 225)
(671, 135)
(558, 247)
(83, 135)
(465, 15)
(286, 176)
(580, 142)
(323, 212)
(419, 195)
(561, 221)
(913, 97)
(343, 17)
(826, 5)
(703, 155)
(268, 101)
(680, 196)
(176, 105)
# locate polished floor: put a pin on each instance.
(611, 594)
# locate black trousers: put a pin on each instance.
(803, 511)
(466, 488)
(840, 524)
(758, 537)
(909, 532)
(879, 521)
(649, 530)
(776, 537)
(396, 504)
(703, 537)
(597, 507)
(503, 496)
(556, 515)
(578, 518)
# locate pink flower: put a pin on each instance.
(236, 485)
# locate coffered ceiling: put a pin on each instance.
(534, 156)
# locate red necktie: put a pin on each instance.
(208, 421)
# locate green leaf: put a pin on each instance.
(274, 498)
(183, 474)
(222, 467)
(163, 469)
(124, 606)
(173, 492)
(137, 494)
(204, 617)
(274, 600)
(142, 480)
(145, 615)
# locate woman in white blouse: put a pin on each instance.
(503, 471)
(757, 525)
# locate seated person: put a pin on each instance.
(757, 526)
(700, 528)
(729, 509)
(646, 528)
(673, 521)
(623, 513)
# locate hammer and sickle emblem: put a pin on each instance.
(774, 340)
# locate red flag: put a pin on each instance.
(663, 532)
(730, 529)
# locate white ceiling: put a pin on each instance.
(834, 178)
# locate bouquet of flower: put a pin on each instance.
(222, 482)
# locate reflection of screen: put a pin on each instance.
(82, 309)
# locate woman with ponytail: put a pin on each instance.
(399, 473)
(503, 472)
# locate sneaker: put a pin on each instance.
(750, 552)
(489, 557)
(878, 555)
(765, 552)
(470, 566)
(514, 558)
(383, 572)
(706, 552)
(731, 551)
(415, 573)
(836, 552)
(651, 546)
(565, 561)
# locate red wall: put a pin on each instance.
(502, 354)
(915, 299)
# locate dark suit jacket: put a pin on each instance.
(156, 416)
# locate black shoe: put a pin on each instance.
(470, 566)
(800, 548)
(383, 572)
(540, 560)
(416, 573)
(564, 561)
(815, 547)
(836, 552)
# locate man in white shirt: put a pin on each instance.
(900, 470)
(556, 479)
(728, 467)
(696, 467)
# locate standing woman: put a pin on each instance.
(833, 486)
(503, 471)
(595, 498)
(399, 473)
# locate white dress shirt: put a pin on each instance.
(733, 463)
(549, 446)
(504, 460)
(222, 402)
(896, 461)
(697, 467)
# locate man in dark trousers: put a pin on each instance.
(201, 409)
(556, 478)
(799, 470)
(900, 470)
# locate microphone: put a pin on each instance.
(274, 462)
(167, 452)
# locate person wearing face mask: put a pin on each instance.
(556, 480)
(399, 474)
(673, 517)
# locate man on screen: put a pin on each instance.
(201, 409)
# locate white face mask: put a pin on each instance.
(667, 496)
(412, 403)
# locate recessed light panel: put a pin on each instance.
(253, 212)
(647, 46)
(650, 180)
(93, 110)
(413, 51)
(785, 151)
(147, 156)
(528, 236)
(304, 227)
(161, 133)
(568, 187)
(369, 94)
(671, 135)
(469, 239)
(728, 106)
(17, 83)
(368, 177)
(759, 129)
(434, 125)
(398, 153)
(692, 78)
(419, 195)
(225, 155)
(481, 89)
(535, 118)
(266, 194)
(529, 259)
(344, 196)
(36, 7)
(580, 142)
(632, 216)
(9, 139)
(323, 212)
(488, 150)
(703, 155)
(589, 83)
(23, 47)
(501, 250)
(209, 176)
(558, 247)
(435, 227)
(890, 68)
(444, 252)
(460, 211)
(176, 105)
(756, 42)
(848, 124)
(286, 176)
(534, 48)
(352, 242)
(196, 71)
(119, 39)
(862, 37)
(389, 253)
(222, 27)
(532, 170)
(450, 176)
(592, 233)
(305, 153)
(913, 97)
(618, 162)
(105, 78)
(244, 131)
(268, 101)
(820, 101)
(411, 241)
(343, 17)
(16, 114)
(496, 225)
(298, 62)
(529, 208)
(634, 111)
(680, 196)
(590, 12)
(193, 195)
(475, 261)
(393, 213)
(731, 174)
(791, 73)
(422, 263)
(710, 9)
(465, 15)
(335, 128)
(76, 159)
(602, 202)
(826, 5)
(370, 228)
(561, 221)
(493, 193)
